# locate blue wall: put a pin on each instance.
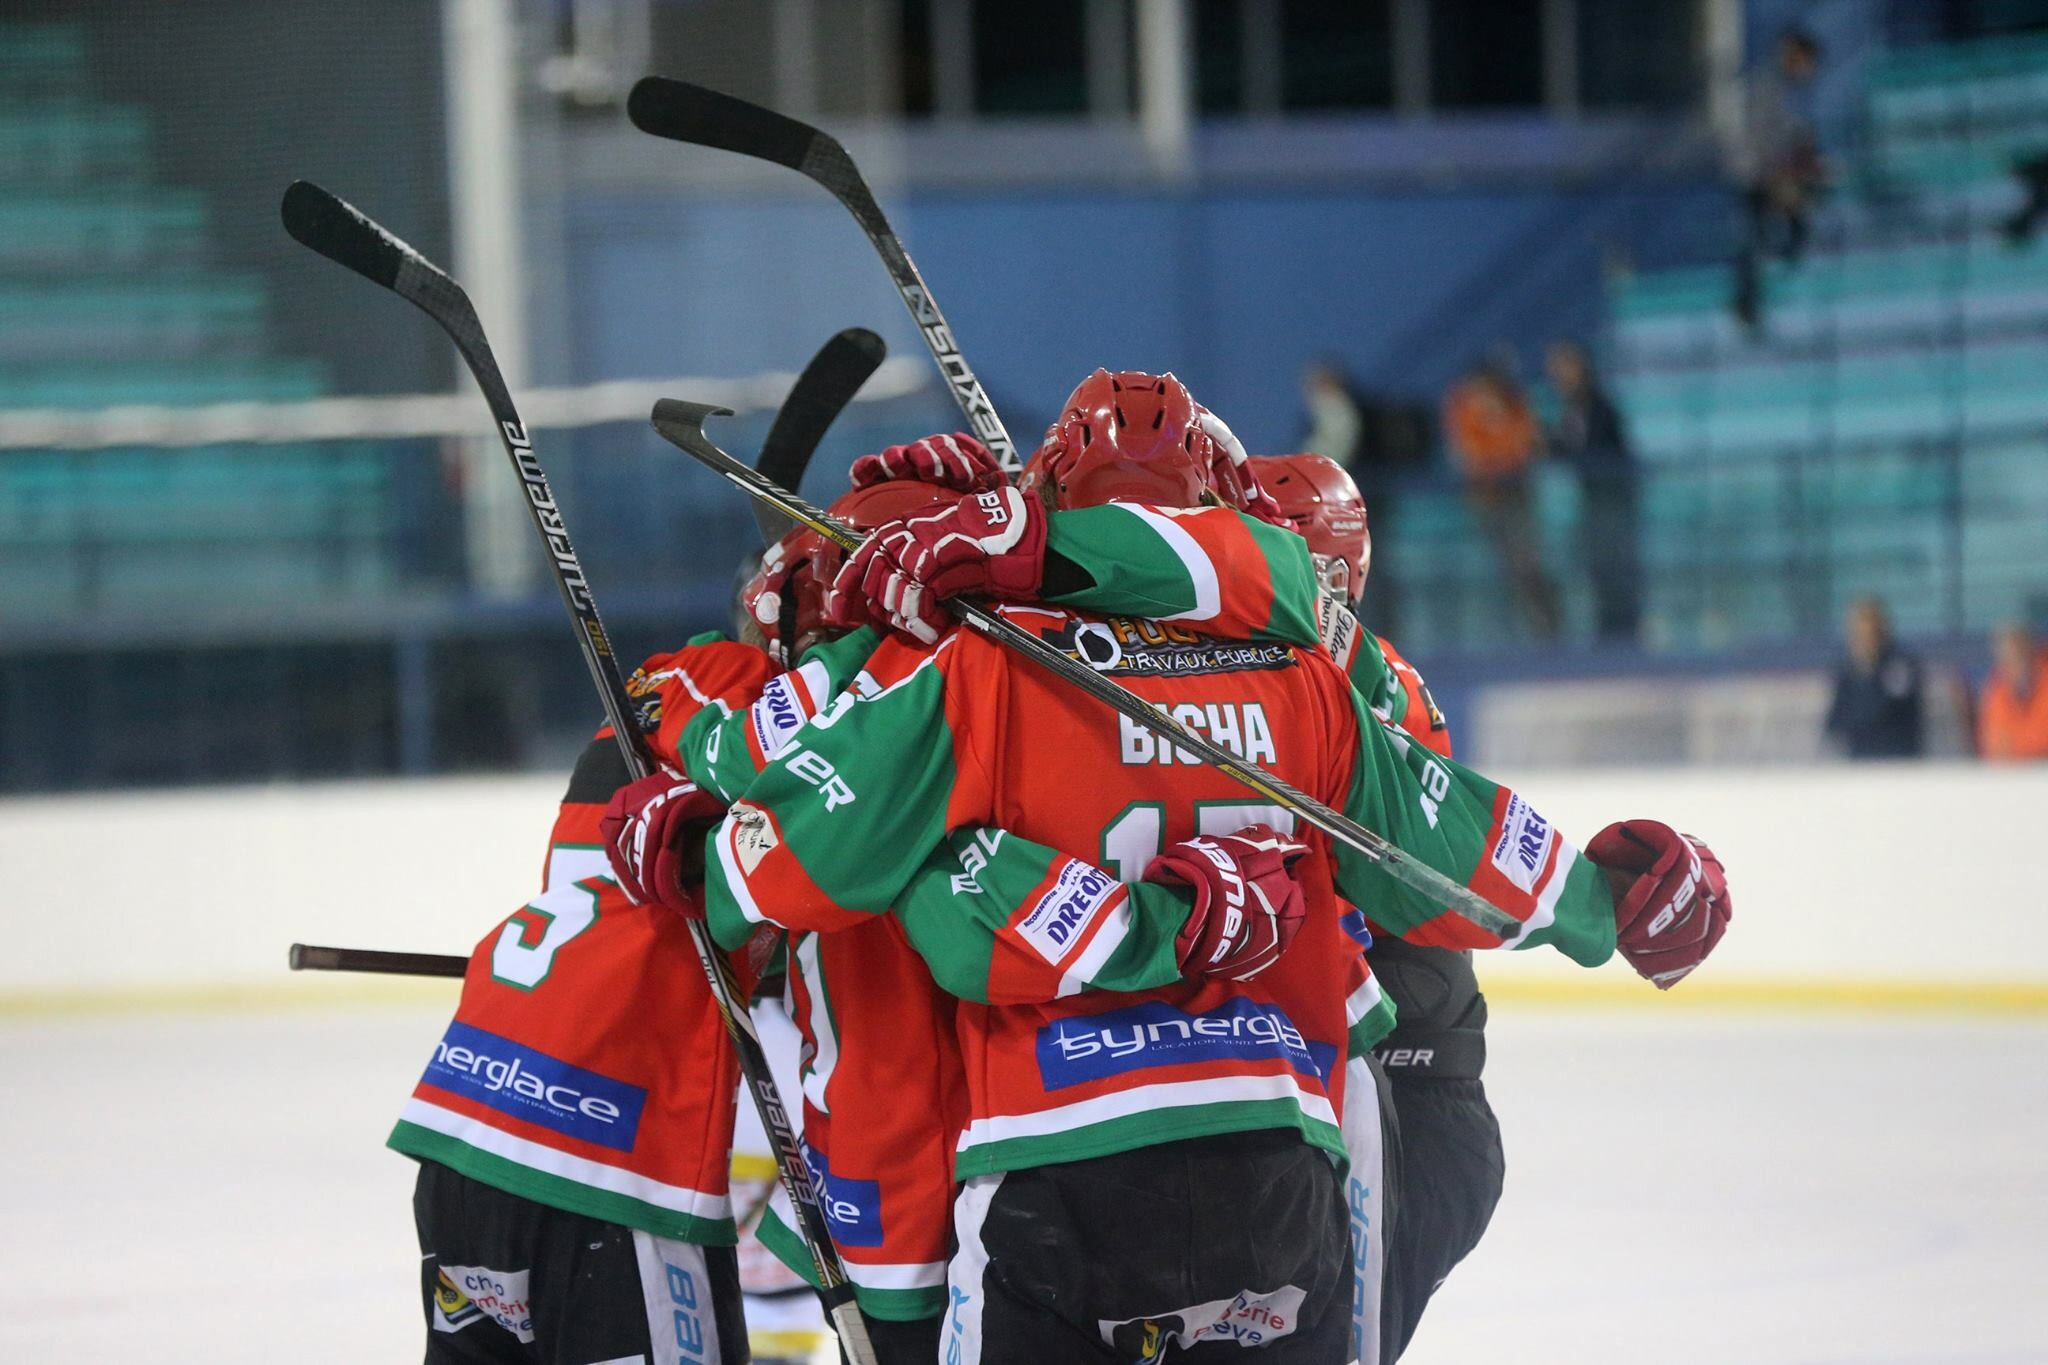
(1234, 289)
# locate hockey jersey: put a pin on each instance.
(587, 1067)
(934, 740)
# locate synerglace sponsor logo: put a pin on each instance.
(517, 1080)
(1077, 1050)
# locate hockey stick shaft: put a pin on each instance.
(682, 425)
(344, 235)
(309, 957)
(683, 112)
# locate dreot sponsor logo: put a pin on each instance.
(1524, 844)
(777, 716)
(517, 1080)
(1064, 913)
(852, 1207)
(1076, 1050)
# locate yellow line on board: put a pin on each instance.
(308, 993)
(1778, 993)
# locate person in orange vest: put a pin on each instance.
(1493, 439)
(2012, 712)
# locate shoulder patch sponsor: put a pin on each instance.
(1134, 647)
(1064, 913)
(1522, 849)
(753, 836)
(777, 716)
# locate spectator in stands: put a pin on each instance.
(1336, 419)
(1876, 708)
(2012, 713)
(1494, 438)
(1589, 436)
(1778, 167)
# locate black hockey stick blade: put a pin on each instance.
(689, 113)
(309, 957)
(343, 234)
(681, 424)
(815, 401)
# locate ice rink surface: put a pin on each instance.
(1683, 1186)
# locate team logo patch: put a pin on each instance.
(1524, 844)
(527, 1084)
(452, 1309)
(1249, 1319)
(1130, 648)
(753, 836)
(1074, 1051)
(481, 1292)
(1064, 913)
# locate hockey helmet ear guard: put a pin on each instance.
(1323, 506)
(1125, 437)
(785, 600)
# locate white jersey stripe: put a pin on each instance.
(1145, 1099)
(1109, 935)
(678, 1198)
(1201, 570)
(1545, 912)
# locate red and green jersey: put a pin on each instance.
(586, 1067)
(931, 741)
(883, 1087)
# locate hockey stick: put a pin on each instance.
(682, 425)
(345, 236)
(306, 957)
(690, 113)
(819, 395)
(815, 401)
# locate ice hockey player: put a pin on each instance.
(1238, 1078)
(882, 1084)
(574, 1124)
(1451, 1162)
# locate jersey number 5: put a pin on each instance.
(560, 913)
(1138, 834)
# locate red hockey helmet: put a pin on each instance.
(785, 599)
(1320, 501)
(1128, 437)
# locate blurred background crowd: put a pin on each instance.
(1690, 354)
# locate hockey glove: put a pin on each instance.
(653, 833)
(1248, 904)
(993, 543)
(1671, 901)
(956, 461)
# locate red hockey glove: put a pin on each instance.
(1248, 905)
(1230, 469)
(956, 461)
(653, 834)
(1671, 901)
(993, 542)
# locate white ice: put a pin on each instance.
(1682, 1187)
